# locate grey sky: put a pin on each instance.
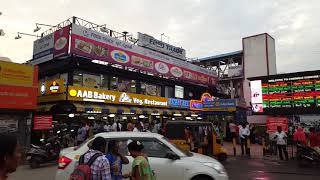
(202, 27)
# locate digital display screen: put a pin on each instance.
(299, 94)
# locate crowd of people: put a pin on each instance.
(89, 129)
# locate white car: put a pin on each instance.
(166, 160)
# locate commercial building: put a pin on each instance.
(257, 58)
(18, 99)
(87, 71)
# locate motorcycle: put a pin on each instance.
(307, 156)
(49, 152)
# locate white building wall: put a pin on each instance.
(259, 56)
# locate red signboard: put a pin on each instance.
(42, 122)
(61, 41)
(16, 97)
(274, 122)
(94, 45)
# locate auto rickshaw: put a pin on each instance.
(196, 136)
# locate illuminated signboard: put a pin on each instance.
(299, 94)
(209, 103)
(114, 97)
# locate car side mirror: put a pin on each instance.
(172, 156)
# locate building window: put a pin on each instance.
(77, 78)
(91, 81)
(179, 91)
(123, 85)
(169, 92)
(104, 81)
(150, 89)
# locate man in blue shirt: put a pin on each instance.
(116, 160)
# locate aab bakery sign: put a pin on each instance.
(209, 103)
(114, 97)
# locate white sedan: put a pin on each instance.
(166, 160)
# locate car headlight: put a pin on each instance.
(216, 166)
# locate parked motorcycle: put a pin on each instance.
(307, 156)
(49, 152)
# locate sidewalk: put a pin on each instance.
(256, 151)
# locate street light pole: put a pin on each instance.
(26, 34)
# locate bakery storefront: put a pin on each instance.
(87, 104)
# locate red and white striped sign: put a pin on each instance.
(42, 122)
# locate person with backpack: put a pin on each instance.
(93, 165)
(116, 160)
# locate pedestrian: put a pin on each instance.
(299, 136)
(313, 138)
(117, 126)
(244, 133)
(116, 160)
(141, 169)
(252, 133)
(130, 125)
(137, 127)
(82, 134)
(100, 168)
(281, 137)
(10, 155)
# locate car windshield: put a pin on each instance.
(185, 152)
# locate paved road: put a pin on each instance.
(238, 169)
(46, 172)
(258, 169)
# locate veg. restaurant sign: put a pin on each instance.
(94, 45)
(114, 97)
(209, 103)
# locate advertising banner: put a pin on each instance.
(220, 105)
(235, 71)
(42, 122)
(16, 74)
(148, 41)
(95, 45)
(179, 103)
(51, 46)
(52, 87)
(16, 97)
(274, 122)
(114, 97)
(61, 42)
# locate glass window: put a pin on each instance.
(152, 147)
(179, 92)
(150, 89)
(91, 81)
(123, 85)
(169, 92)
(155, 148)
(104, 81)
(77, 78)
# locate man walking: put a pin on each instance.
(244, 133)
(82, 134)
(281, 137)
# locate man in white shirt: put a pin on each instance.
(244, 133)
(117, 126)
(281, 137)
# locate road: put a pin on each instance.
(237, 168)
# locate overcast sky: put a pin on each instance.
(202, 27)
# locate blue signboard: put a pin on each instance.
(179, 103)
(220, 103)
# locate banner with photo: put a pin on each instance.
(94, 45)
